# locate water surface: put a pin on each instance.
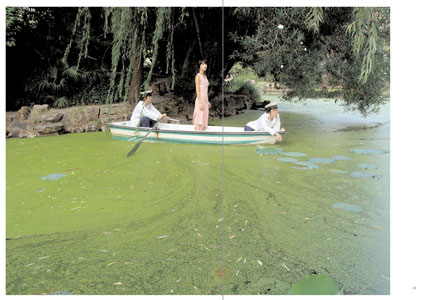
(155, 223)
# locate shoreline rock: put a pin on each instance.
(40, 120)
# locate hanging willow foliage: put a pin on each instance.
(82, 12)
(171, 50)
(120, 53)
(314, 18)
(364, 35)
(159, 30)
(85, 36)
(363, 31)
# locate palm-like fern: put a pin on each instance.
(61, 79)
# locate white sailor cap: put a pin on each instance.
(147, 93)
(271, 106)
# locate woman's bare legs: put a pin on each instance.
(198, 127)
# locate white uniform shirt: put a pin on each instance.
(264, 124)
(148, 111)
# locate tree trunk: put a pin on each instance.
(136, 77)
(187, 59)
(198, 37)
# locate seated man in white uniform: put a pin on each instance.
(269, 121)
(145, 114)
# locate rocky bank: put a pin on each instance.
(41, 120)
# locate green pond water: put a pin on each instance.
(203, 219)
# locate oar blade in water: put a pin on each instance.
(135, 148)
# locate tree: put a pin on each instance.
(308, 48)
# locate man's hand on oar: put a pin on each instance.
(138, 144)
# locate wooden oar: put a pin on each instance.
(138, 144)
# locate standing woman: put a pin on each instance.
(202, 104)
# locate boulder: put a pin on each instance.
(22, 114)
(52, 117)
(115, 113)
(21, 129)
(9, 120)
(36, 113)
(92, 113)
(74, 120)
(49, 128)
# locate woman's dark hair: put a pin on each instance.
(202, 61)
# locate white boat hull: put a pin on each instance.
(178, 133)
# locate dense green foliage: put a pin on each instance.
(240, 78)
(305, 49)
(70, 56)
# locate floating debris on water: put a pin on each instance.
(269, 151)
(284, 265)
(53, 176)
(347, 207)
(287, 159)
(118, 283)
(369, 151)
(103, 250)
(367, 166)
(383, 276)
(111, 263)
(341, 157)
(295, 154)
(42, 190)
(43, 257)
(338, 171)
(260, 262)
(319, 160)
(364, 175)
(162, 237)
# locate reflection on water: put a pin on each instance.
(318, 160)
(341, 157)
(365, 175)
(53, 176)
(295, 154)
(368, 151)
(347, 207)
(269, 151)
(367, 166)
(302, 165)
(288, 159)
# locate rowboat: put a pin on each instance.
(182, 133)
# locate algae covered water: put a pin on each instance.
(203, 219)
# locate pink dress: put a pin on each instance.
(201, 117)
